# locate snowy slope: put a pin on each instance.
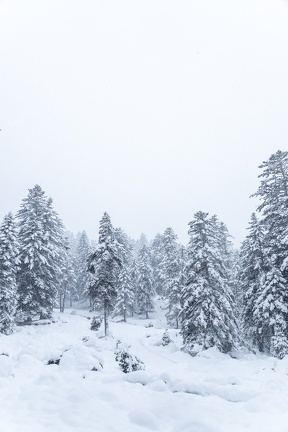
(211, 392)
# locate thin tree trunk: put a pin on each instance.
(106, 314)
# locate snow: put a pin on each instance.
(87, 391)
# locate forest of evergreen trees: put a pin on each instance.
(216, 295)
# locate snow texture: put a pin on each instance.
(87, 391)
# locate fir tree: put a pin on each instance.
(145, 287)
(176, 289)
(207, 313)
(157, 248)
(251, 275)
(170, 271)
(41, 247)
(8, 269)
(272, 299)
(103, 264)
(83, 277)
(67, 285)
(125, 286)
(125, 294)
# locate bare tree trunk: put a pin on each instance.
(106, 314)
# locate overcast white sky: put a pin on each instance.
(148, 109)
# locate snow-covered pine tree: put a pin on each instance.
(67, 280)
(125, 288)
(271, 305)
(125, 246)
(229, 257)
(103, 264)
(134, 276)
(170, 271)
(83, 277)
(72, 241)
(207, 303)
(157, 247)
(125, 294)
(251, 277)
(234, 283)
(41, 247)
(8, 268)
(175, 291)
(145, 287)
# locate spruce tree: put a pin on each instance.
(41, 246)
(272, 299)
(67, 279)
(8, 268)
(83, 277)
(103, 264)
(145, 287)
(251, 275)
(207, 302)
(157, 248)
(125, 294)
(125, 287)
(170, 271)
(175, 291)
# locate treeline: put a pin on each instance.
(215, 295)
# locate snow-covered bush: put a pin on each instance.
(96, 323)
(166, 339)
(128, 362)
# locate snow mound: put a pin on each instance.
(5, 365)
(81, 359)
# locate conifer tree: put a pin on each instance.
(251, 277)
(145, 287)
(207, 302)
(8, 269)
(125, 294)
(103, 264)
(271, 304)
(41, 247)
(157, 248)
(67, 280)
(83, 277)
(125, 288)
(170, 272)
(176, 287)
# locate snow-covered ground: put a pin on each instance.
(210, 392)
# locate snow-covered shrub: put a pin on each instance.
(166, 340)
(22, 318)
(128, 362)
(96, 323)
(81, 359)
(53, 362)
(150, 324)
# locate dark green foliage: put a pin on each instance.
(145, 287)
(207, 301)
(166, 339)
(128, 362)
(8, 269)
(264, 261)
(103, 264)
(96, 323)
(41, 245)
